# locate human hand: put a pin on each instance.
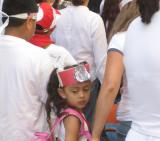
(95, 139)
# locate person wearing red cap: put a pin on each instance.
(44, 26)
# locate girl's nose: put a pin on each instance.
(81, 94)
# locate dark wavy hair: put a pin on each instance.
(77, 2)
(110, 12)
(147, 9)
(54, 101)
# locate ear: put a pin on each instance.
(29, 23)
(61, 93)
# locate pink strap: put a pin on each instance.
(70, 111)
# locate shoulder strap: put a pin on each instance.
(70, 111)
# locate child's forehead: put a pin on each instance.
(80, 84)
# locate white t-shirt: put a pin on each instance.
(142, 64)
(60, 56)
(123, 111)
(101, 7)
(82, 33)
(1, 3)
(24, 73)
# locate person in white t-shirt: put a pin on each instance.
(141, 61)
(24, 73)
(141, 52)
(113, 74)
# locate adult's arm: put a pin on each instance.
(110, 86)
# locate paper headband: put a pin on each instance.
(74, 75)
(19, 16)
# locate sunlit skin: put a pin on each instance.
(77, 95)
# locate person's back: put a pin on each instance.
(24, 72)
(21, 92)
(82, 33)
(143, 70)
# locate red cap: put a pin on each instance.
(46, 16)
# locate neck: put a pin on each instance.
(85, 3)
(15, 32)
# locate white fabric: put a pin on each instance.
(60, 56)
(124, 107)
(24, 73)
(1, 3)
(101, 7)
(124, 2)
(3, 25)
(135, 136)
(141, 56)
(82, 33)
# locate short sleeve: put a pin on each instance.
(117, 43)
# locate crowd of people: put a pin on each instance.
(65, 65)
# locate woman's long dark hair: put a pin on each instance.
(127, 14)
(110, 12)
(147, 9)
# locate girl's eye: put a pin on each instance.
(87, 89)
(74, 91)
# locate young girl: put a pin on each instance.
(69, 88)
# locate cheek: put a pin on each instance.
(87, 95)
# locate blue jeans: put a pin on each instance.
(122, 130)
(111, 135)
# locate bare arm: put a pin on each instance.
(110, 86)
(72, 128)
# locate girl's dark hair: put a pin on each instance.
(77, 2)
(109, 14)
(147, 9)
(127, 14)
(13, 7)
(53, 96)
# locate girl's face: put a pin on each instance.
(77, 95)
